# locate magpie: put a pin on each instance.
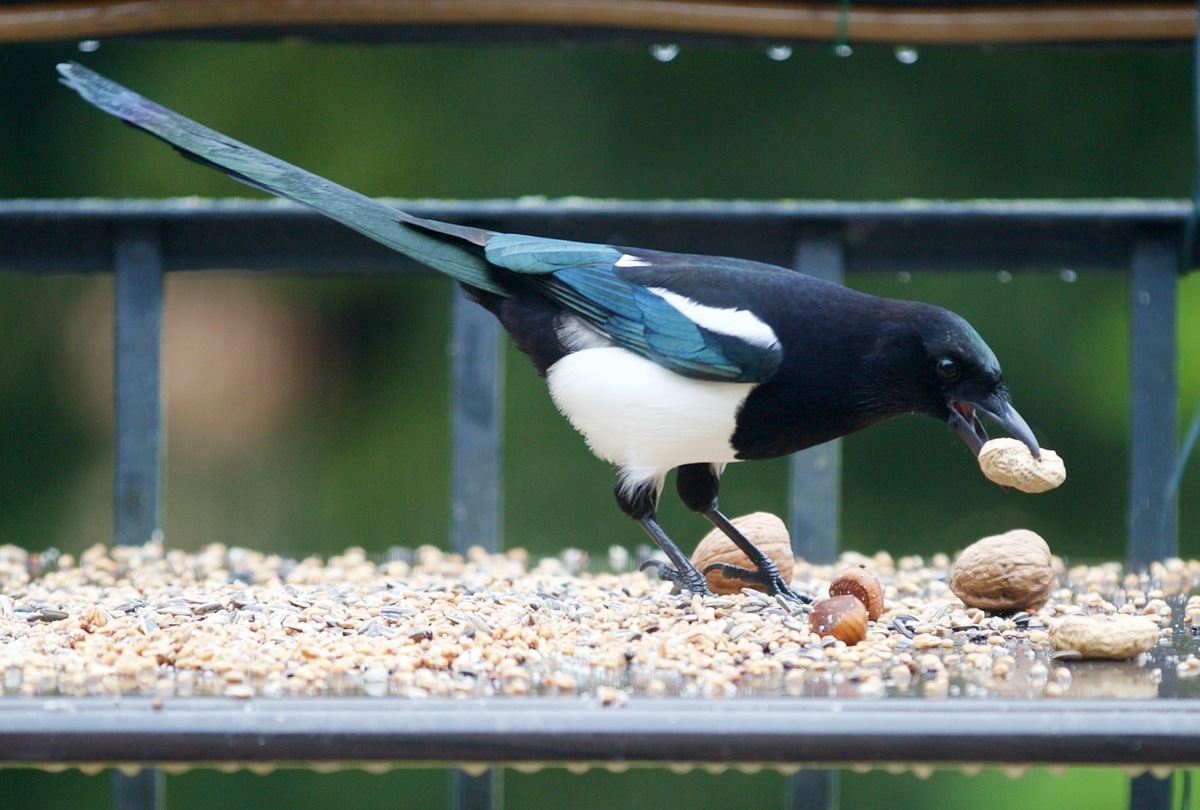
(663, 361)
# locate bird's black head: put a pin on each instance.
(929, 360)
(962, 378)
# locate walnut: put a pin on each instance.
(1115, 637)
(765, 531)
(1004, 573)
(1010, 463)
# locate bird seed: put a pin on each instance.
(237, 623)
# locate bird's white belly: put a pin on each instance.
(641, 417)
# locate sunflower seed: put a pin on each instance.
(481, 625)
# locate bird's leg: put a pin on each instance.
(640, 502)
(683, 574)
(766, 571)
(697, 485)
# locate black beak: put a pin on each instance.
(966, 424)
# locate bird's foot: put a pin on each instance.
(692, 581)
(767, 578)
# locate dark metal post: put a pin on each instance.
(814, 505)
(482, 792)
(137, 484)
(143, 791)
(476, 439)
(1153, 413)
(137, 506)
(476, 417)
(1154, 402)
(1147, 792)
(815, 493)
(812, 790)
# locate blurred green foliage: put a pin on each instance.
(556, 788)
(356, 454)
(346, 466)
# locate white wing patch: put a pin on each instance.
(630, 261)
(738, 323)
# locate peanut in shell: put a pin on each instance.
(1010, 463)
(1113, 637)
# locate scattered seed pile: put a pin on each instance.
(235, 622)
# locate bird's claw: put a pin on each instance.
(736, 572)
(785, 590)
(769, 580)
(693, 581)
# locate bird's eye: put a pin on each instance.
(947, 369)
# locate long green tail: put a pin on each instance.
(458, 256)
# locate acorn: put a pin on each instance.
(863, 585)
(844, 617)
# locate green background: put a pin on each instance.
(348, 447)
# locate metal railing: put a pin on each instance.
(140, 241)
(891, 21)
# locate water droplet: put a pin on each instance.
(842, 49)
(906, 55)
(904, 276)
(664, 53)
(779, 53)
(1068, 275)
(89, 45)
(1004, 276)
